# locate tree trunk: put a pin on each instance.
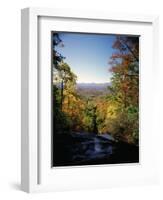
(95, 130)
(61, 94)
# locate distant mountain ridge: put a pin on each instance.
(96, 86)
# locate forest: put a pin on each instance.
(93, 111)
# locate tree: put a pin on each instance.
(67, 103)
(57, 57)
(66, 78)
(124, 91)
(60, 120)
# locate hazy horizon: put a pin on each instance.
(93, 82)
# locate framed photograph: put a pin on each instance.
(89, 86)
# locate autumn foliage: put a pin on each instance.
(115, 112)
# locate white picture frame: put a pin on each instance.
(36, 171)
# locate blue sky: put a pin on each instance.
(88, 55)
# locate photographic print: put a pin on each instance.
(95, 99)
